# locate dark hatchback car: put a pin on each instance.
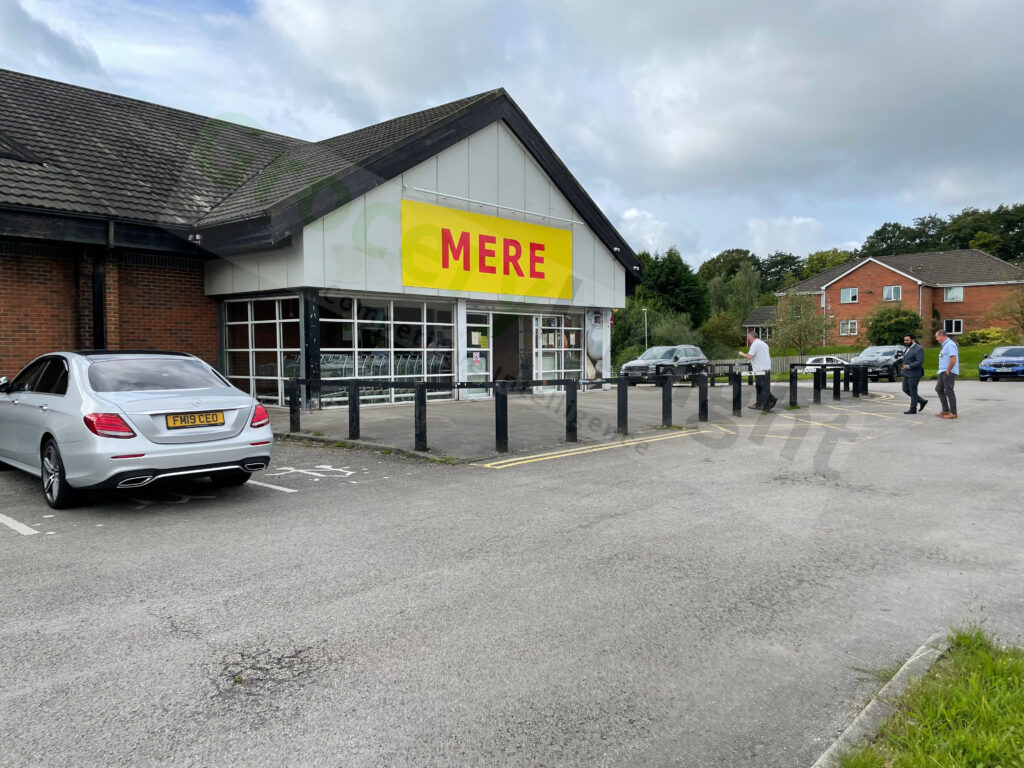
(1002, 363)
(683, 360)
(882, 361)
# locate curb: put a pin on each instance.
(359, 445)
(880, 708)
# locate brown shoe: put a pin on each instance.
(942, 414)
(949, 415)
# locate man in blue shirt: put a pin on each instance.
(949, 369)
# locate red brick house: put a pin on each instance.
(952, 290)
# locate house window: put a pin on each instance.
(954, 294)
(848, 327)
(953, 327)
(847, 295)
(892, 293)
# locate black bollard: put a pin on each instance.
(501, 416)
(623, 406)
(571, 391)
(846, 378)
(835, 384)
(864, 380)
(353, 410)
(666, 400)
(792, 387)
(420, 390)
(818, 372)
(737, 392)
(702, 397)
(855, 375)
(294, 417)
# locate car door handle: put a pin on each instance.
(43, 407)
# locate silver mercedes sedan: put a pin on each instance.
(122, 419)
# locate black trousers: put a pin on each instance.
(763, 387)
(910, 388)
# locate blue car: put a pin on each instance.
(1002, 362)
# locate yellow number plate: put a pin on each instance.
(204, 419)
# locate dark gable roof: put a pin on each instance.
(104, 155)
(761, 316)
(75, 151)
(934, 268)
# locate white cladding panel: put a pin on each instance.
(358, 246)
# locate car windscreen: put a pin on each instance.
(877, 351)
(657, 353)
(140, 375)
(1008, 352)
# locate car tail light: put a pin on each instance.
(260, 417)
(108, 425)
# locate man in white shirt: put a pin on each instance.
(761, 366)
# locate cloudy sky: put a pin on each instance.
(780, 125)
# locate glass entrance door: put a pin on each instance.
(558, 347)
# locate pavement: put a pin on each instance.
(714, 595)
(465, 430)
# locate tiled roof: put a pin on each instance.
(762, 315)
(299, 169)
(935, 268)
(107, 155)
(95, 153)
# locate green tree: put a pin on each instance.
(743, 290)
(726, 264)
(888, 325)
(800, 325)
(890, 238)
(723, 335)
(987, 242)
(819, 261)
(775, 269)
(671, 279)
(673, 328)
(718, 294)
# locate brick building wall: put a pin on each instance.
(161, 305)
(38, 298)
(870, 281)
(152, 302)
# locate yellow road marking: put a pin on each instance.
(504, 463)
(864, 413)
(815, 423)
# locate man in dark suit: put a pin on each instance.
(913, 370)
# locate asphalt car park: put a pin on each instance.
(699, 596)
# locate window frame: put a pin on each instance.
(849, 295)
(950, 326)
(947, 299)
(896, 293)
(851, 328)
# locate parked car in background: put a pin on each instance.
(831, 363)
(122, 419)
(683, 360)
(1002, 362)
(882, 361)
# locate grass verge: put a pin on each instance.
(967, 712)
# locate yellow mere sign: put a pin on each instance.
(462, 251)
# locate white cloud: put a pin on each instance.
(643, 230)
(702, 116)
(798, 235)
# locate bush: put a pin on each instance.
(888, 325)
(989, 337)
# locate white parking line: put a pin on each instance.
(14, 525)
(268, 485)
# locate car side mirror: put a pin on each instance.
(4, 384)
(675, 359)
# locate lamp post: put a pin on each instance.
(645, 327)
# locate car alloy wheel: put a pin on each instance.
(58, 494)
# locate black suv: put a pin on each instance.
(882, 361)
(684, 360)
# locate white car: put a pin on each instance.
(122, 419)
(832, 363)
